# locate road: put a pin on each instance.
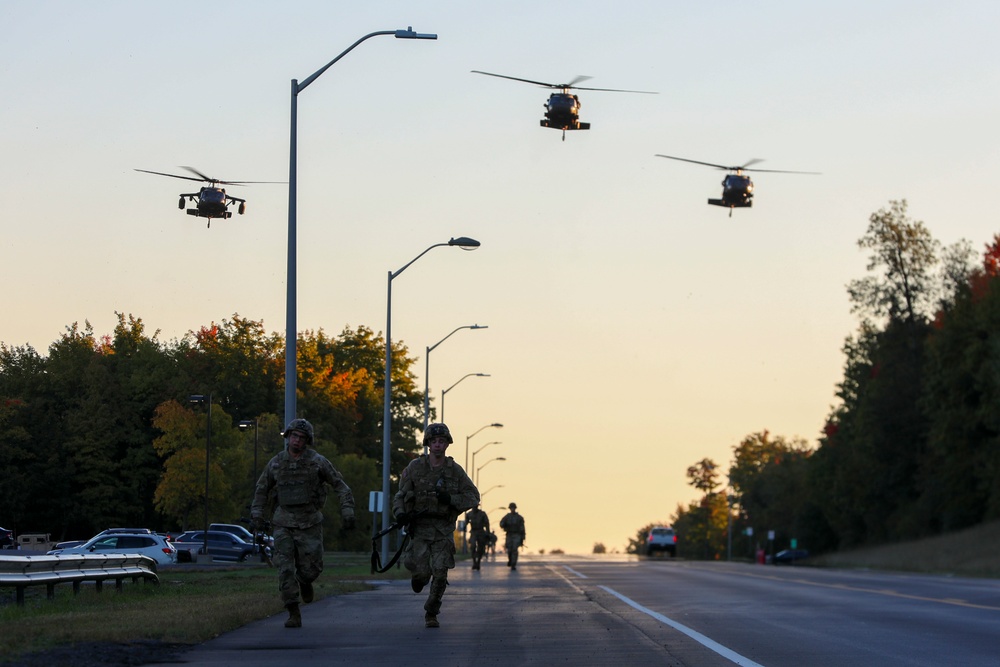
(618, 610)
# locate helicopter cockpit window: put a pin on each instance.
(215, 196)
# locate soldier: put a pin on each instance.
(300, 475)
(513, 525)
(479, 531)
(433, 491)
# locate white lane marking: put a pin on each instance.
(697, 636)
(579, 574)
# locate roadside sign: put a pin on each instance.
(375, 501)
(795, 543)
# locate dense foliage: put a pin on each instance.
(912, 448)
(101, 432)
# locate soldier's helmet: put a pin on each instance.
(435, 430)
(299, 425)
(512, 506)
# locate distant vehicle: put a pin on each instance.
(788, 556)
(661, 539)
(221, 545)
(263, 544)
(7, 539)
(146, 544)
(35, 541)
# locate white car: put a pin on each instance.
(153, 546)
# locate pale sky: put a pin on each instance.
(633, 329)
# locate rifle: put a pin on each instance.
(377, 557)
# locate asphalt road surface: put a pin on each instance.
(623, 611)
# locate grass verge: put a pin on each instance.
(190, 605)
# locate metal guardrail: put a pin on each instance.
(22, 571)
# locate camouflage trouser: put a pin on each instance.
(479, 541)
(513, 545)
(431, 558)
(298, 554)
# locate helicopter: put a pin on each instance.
(210, 201)
(562, 111)
(737, 188)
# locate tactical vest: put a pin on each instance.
(298, 483)
(427, 482)
(478, 522)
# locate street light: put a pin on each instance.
(483, 494)
(465, 243)
(202, 399)
(467, 375)
(499, 458)
(481, 449)
(427, 372)
(290, 307)
(244, 425)
(469, 437)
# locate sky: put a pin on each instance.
(632, 329)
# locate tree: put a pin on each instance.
(905, 253)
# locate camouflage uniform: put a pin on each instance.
(479, 534)
(431, 550)
(513, 525)
(298, 520)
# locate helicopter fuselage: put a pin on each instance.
(562, 112)
(211, 202)
(737, 192)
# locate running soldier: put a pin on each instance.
(479, 534)
(513, 525)
(433, 492)
(301, 476)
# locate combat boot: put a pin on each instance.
(294, 617)
(431, 620)
(418, 582)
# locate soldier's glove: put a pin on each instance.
(347, 521)
(257, 523)
(444, 497)
(404, 518)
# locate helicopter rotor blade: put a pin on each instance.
(203, 176)
(617, 90)
(750, 162)
(707, 164)
(514, 78)
(578, 79)
(160, 173)
(784, 171)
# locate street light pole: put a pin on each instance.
(476, 482)
(465, 243)
(201, 398)
(427, 371)
(291, 333)
(445, 391)
(469, 437)
(481, 449)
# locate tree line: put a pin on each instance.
(912, 447)
(101, 432)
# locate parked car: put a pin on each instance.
(661, 539)
(241, 532)
(789, 556)
(7, 539)
(221, 545)
(145, 544)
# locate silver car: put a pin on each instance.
(151, 545)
